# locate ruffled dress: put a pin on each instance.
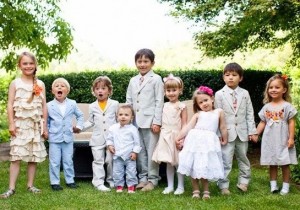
(201, 156)
(274, 145)
(165, 150)
(28, 144)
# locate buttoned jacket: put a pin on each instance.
(240, 121)
(60, 126)
(101, 120)
(147, 99)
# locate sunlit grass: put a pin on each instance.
(86, 197)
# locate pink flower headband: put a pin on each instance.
(171, 77)
(206, 90)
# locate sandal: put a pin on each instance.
(34, 190)
(206, 195)
(196, 194)
(8, 193)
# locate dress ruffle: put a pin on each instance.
(201, 156)
(28, 144)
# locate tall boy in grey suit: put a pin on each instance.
(239, 116)
(145, 93)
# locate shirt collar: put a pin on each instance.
(61, 103)
(237, 89)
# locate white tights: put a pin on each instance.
(170, 177)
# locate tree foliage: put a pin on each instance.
(230, 25)
(36, 26)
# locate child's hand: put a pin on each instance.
(45, 135)
(179, 144)
(111, 149)
(222, 141)
(12, 129)
(155, 128)
(253, 138)
(76, 130)
(291, 143)
(133, 156)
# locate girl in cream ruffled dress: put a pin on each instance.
(27, 115)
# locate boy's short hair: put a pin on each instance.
(145, 52)
(62, 80)
(106, 81)
(234, 67)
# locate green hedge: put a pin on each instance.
(254, 81)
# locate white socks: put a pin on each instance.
(284, 190)
(274, 187)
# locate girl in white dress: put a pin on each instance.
(174, 117)
(278, 122)
(201, 156)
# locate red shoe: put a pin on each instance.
(131, 189)
(119, 189)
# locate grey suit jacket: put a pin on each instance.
(60, 126)
(239, 122)
(147, 100)
(101, 121)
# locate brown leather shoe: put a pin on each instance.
(242, 187)
(225, 191)
(148, 187)
(141, 185)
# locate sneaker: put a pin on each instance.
(119, 189)
(284, 191)
(72, 185)
(225, 191)
(148, 187)
(167, 191)
(131, 189)
(141, 185)
(102, 188)
(274, 189)
(8, 193)
(56, 187)
(242, 187)
(179, 191)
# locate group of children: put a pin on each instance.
(134, 138)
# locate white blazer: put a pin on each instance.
(147, 100)
(239, 122)
(101, 121)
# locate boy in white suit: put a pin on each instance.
(102, 114)
(239, 116)
(145, 93)
(61, 111)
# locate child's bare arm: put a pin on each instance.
(291, 140)
(223, 128)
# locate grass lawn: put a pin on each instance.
(86, 197)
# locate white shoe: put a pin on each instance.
(167, 191)
(103, 188)
(179, 191)
(274, 189)
(284, 191)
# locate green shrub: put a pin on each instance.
(4, 84)
(254, 81)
